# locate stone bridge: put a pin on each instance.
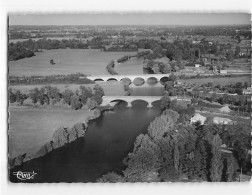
(107, 100)
(158, 77)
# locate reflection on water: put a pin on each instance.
(147, 89)
(108, 140)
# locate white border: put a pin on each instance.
(73, 6)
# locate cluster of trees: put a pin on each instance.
(110, 68)
(125, 47)
(236, 102)
(185, 112)
(240, 102)
(157, 67)
(18, 51)
(186, 152)
(77, 78)
(207, 31)
(49, 95)
(27, 48)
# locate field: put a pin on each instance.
(231, 116)
(87, 61)
(221, 81)
(30, 128)
(110, 88)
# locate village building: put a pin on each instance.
(225, 109)
(247, 91)
(198, 118)
(223, 121)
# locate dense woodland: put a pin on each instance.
(174, 151)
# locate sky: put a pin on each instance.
(131, 19)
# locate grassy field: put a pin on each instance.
(239, 120)
(221, 81)
(87, 61)
(110, 88)
(30, 128)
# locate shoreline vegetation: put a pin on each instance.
(61, 137)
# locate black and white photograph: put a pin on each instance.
(128, 97)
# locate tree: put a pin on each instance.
(216, 161)
(165, 101)
(155, 69)
(163, 125)
(237, 51)
(98, 94)
(67, 96)
(85, 93)
(35, 95)
(172, 77)
(169, 86)
(75, 102)
(144, 162)
(91, 104)
(12, 96)
(52, 62)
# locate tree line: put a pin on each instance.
(48, 95)
(77, 78)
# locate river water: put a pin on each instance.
(107, 142)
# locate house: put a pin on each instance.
(223, 72)
(197, 65)
(224, 121)
(225, 109)
(197, 117)
(247, 91)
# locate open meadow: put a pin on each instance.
(219, 80)
(30, 128)
(67, 61)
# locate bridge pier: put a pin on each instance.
(149, 105)
(129, 104)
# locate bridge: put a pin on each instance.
(107, 100)
(145, 77)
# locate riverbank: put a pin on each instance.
(61, 136)
(107, 141)
(30, 128)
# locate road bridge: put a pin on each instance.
(158, 77)
(107, 100)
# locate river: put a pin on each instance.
(107, 142)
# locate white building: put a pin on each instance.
(225, 109)
(197, 65)
(247, 91)
(197, 117)
(223, 121)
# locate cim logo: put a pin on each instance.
(24, 175)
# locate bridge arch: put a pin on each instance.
(112, 79)
(156, 103)
(120, 101)
(164, 79)
(138, 81)
(152, 80)
(98, 79)
(126, 80)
